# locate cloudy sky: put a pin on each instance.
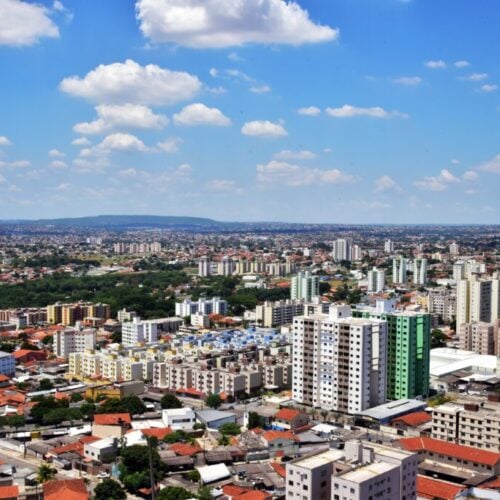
(310, 111)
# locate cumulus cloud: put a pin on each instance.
(121, 116)
(129, 82)
(435, 64)
(15, 164)
(55, 153)
(223, 186)
(80, 141)
(488, 87)
(160, 182)
(118, 142)
(309, 111)
(475, 77)
(23, 23)
(227, 23)
(287, 154)
(492, 166)
(386, 183)
(470, 175)
(348, 111)
(288, 174)
(199, 114)
(408, 80)
(4, 141)
(461, 64)
(263, 128)
(437, 183)
(170, 145)
(58, 165)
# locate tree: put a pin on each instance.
(324, 414)
(213, 401)
(229, 429)
(116, 337)
(45, 384)
(174, 493)
(255, 420)
(193, 475)
(45, 473)
(76, 397)
(438, 338)
(170, 401)
(204, 493)
(108, 489)
(128, 404)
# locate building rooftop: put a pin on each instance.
(313, 461)
(367, 472)
(444, 360)
(394, 409)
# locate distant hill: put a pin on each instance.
(121, 221)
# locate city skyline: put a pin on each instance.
(317, 112)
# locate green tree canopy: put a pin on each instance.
(213, 401)
(170, 401)
(109, 489)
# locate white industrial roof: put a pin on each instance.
(445, 360)
(211, 473)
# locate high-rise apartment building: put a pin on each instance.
(339, 361)
(73, 340)
(419, 271)
(478, 300)
(342, 249)
(137, 331)
(270, 314)
(69, 314)
(204, 267)
(226, 266)
(399, 266)
(442, 302)
(376, 280)
(479, 337)
(454, 248)
(408, 351)
(389, 246)
(304, 286)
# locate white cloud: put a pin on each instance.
(470, 175)
(2, 179)
(227, 23)
(199, 114)
(4, 141)
(461, 64)
(309, 111)
(284, 173)
(386, 183)
(118, 142)
(435, 64)
(213, 72)
(488, 87)
(55, 153)
(223, 186)
(260, 89)
(475, 77)
(408, 80)
(263, 128)
(170, 145)
(455, 162)
(129, 82)
(81, 141)
(287, 154)
(121, 116)
(23, 23)
(348, 111)
(438, 183)
(492, 166)
(58, 165)
(15, 164)
(64, 186)
(160, 182)
(233, 56)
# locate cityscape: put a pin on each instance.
(249, 250)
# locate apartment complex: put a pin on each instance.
(73, 340)
(361, 471)
(443, 302)
(137, 331)
(399, 268)
(419, 271)
(7, 364)
(471, 422)
(305, 286)
(271, 314)
(201, 306)
(482, 338)
(69, 314)
(339, 362)
(376, 280)
(408, 350)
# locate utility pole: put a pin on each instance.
(152, 481)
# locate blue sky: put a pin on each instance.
(341, 111)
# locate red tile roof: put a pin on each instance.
(253, 495)
(450, 449)
(273, 435)
(434, 489)
(287, 414)
(69, 489)
(413, 419)
(279, 468)
(158, 432)
(9, 491)
(232, 490)
(112, 418)
(184, 449)
(492, 485)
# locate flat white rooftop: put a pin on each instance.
(444, 360)
(367, 472)
(320, 459)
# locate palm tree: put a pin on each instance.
(45, 473)
(324, 414)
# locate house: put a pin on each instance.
(101, 449)
(280, 442)
(67, 489)
(179, 418)
(290, 419)
(435, 489)
(25, 355)
(111, 424)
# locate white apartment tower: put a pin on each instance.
(420, 271)
(226, 266)
(204, 266)
(73, 340)
(339, 362)
(478, 300)
(342, 249)
(399, 270)
(389, 246)
(137, 331)
(454, 248)
(304, 286)
(376, 280)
